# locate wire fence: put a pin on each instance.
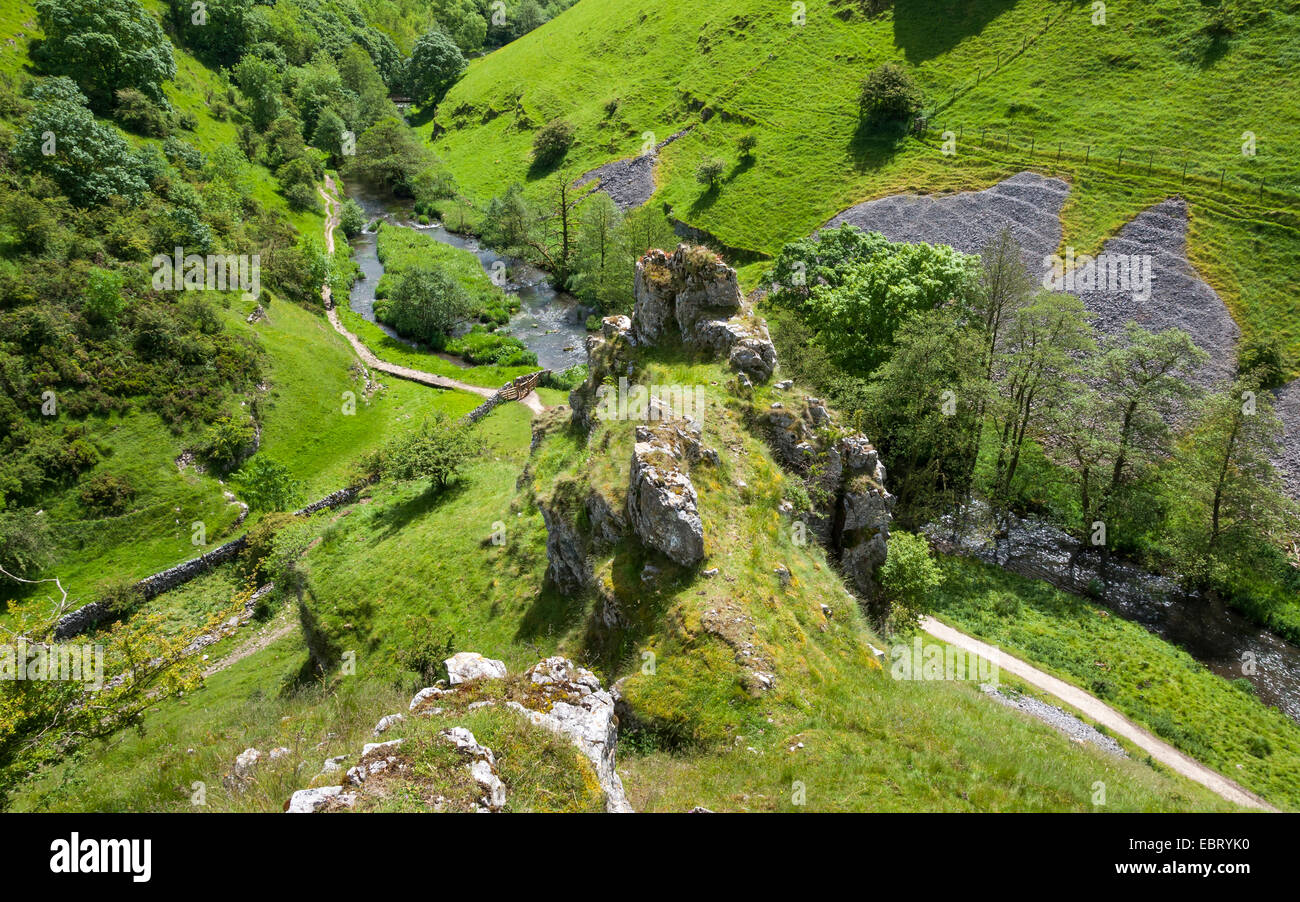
(1168, 164)
(1183, 165)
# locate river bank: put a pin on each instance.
(550, 323)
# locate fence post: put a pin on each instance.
(1088, 155)
(1058, 151)
(1120, 161)
(1221, 175)
(1032, 142)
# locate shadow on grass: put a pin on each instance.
(925, 29)
(396, 517)
(874, 144)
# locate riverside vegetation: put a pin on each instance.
(747, 677)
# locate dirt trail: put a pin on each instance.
(531, 401)
(268, 635)
(1101, 713)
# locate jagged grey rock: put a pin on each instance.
(693, 297)
(662, 505)
(470, 665)
(482, 767)
(309, 801)
(386, 722)
(581, 710)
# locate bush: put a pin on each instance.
(226, 443)
(566, 380)
(436, 452)
(746, 145)
(907, 578)
(139, 114)
(24, 542)
(266, 485)
(479, 346)
(352, 219)
(424, 303)
(889, 94)
(552, 142)
(106, 495)
(1265, 360)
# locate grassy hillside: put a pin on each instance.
(391, 580)
(742, 67)
(1218, 722)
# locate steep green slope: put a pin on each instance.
(1160, 84)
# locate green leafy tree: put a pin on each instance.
(436, 452)
(266, 484)
(1225, 488)
(352, 219)
(601, 266)
(260, 83)
(921, 409)
(462, 22)
(390, 155)
(552, 142)
(89, 162)
(855, 315)
(436, 64)
(710, 171)
(328, 135)
(889, 94)
(907, 578)
(1037, 366)
(219, 32)
(105, 46)
(425, 303)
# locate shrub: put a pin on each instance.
(1265, 360)
(479, 346)
(139, 114)
(907, 578)
(566, 380)
(889, 94)
(24, 542)
(746, 145)
(552, 142)
(106, 495)
(352, 219)
(266, 485)
(436, 452)
(226, 443)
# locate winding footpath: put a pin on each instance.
(1101, 713)
(367, 357)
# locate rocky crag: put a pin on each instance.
(554, 695)
(850, 509)
(691, 299)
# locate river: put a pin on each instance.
(550, 323)
(1205, 628)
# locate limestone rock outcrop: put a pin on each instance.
(691, 296)
(662, 505)
(844, 475)
(609, 354)
(470, 665)
(571, 702)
